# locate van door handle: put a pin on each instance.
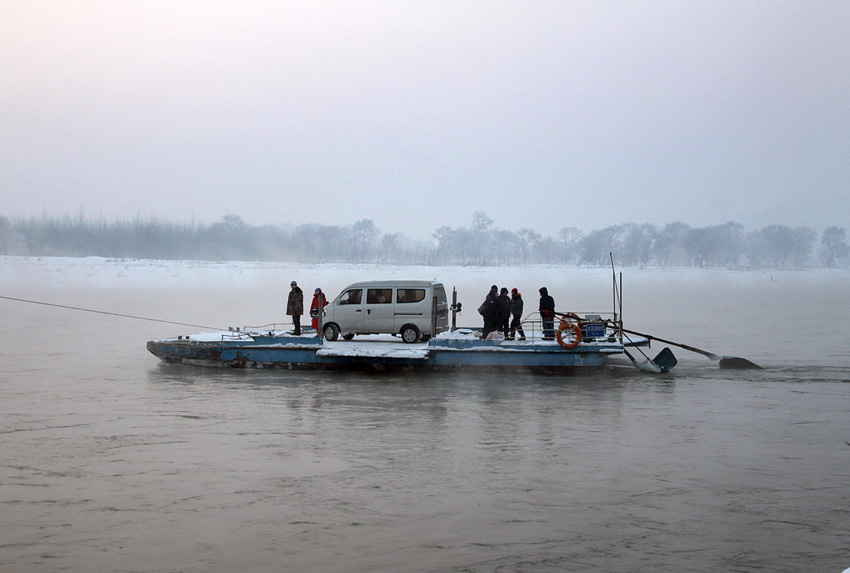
(368, 311)
(358, 310)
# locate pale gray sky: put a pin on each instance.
(415, 114)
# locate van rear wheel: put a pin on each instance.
(409, 333)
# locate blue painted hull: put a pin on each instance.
(281, 351)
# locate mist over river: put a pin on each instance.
(114, 461)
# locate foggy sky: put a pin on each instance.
(416, 114)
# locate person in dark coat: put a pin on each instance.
(489, 311)
(318, 305)
(295, 307)
(503, 306)
(516, 312)
(547, 313)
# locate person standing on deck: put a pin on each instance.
(547, 313)
(516, 312)
(489, 312)
(318, 305)
(503, 304)
(295, 307)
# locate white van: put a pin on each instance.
(413, 309)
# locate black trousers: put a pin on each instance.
(549, 328)
(516, 326)
(296, 322)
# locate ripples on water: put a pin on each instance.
(115, 462)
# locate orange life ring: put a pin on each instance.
(563, 327)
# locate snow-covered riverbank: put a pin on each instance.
(98, 272)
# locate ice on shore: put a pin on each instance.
(96, 272)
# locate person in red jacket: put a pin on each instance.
(319, 301)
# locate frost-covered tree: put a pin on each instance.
(717, 245)
(731, 239)
(670, 244)
(780, 244)
(525, 240)
(596, 246)
(570, 240)
(481, 223)
(454, 245)
(481, 239)
(547, 250)
(804, 239)
(5, 234)
(637, 243)
(834, 241)
(363, 234)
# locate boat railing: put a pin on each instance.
(266, 327)
(247, 332)
(532, 324)
(235, 334)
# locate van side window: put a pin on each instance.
(410, 295)
(353, 296)
(379, 296)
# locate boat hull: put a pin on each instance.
(439, 354)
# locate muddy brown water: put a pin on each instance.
(113, 461)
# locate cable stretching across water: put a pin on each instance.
(109, 313)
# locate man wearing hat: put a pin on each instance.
(295, 306)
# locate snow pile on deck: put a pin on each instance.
(370, 349)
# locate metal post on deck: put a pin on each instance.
(454, 309)
(434, 315)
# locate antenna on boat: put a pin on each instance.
(621, 304)
(665, 360)
(618, 298)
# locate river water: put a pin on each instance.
(113, 461)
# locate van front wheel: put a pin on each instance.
(409, 333)
(331, 331)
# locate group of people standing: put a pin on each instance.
(503, 313)
(295, 307)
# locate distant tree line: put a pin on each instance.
(481, 244)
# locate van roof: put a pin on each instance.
(393, 283)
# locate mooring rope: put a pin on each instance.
(109, 313)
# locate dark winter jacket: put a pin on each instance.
(547, 304)
(516, 304)
(295, 303)
(491, 309)
(503, 306)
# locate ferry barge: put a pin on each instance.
(453, 350)
(404, 325)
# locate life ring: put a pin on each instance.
(564, 327)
